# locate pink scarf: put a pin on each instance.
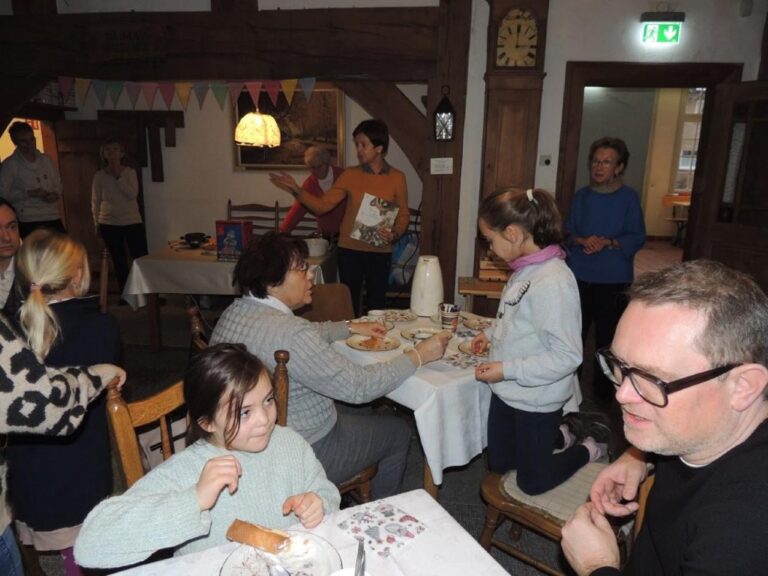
(551, 251)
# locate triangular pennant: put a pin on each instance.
(100, 89)
(149, 89)
(289, 87)
(201, 91)
(307, 86)
(273, 89)
(254, 89)
(82, 85)
(220, 92)
(65, 86)
(114, 89)
(234, 91)
(182, 91)
(133, 89)
(167, 91)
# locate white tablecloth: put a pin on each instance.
(186, 271)
(450, 406)
(444, 548)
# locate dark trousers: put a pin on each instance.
(26, 228)
(373, 267)
(116, 239)
(525, 441)
(603, 305)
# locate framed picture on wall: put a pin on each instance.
(302, 123)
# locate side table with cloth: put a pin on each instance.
(449, 405)
(442, 548)
(192, 271)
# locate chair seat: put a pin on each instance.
(560, 502)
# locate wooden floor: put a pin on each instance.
(655, 255)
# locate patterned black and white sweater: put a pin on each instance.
(35, 399)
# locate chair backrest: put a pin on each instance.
(642, 500)
(307, 227)
(198, 328)
(280, 382)
(264, 217)
(104, 280)
(124, 418)
(329, 302)
(414, 220)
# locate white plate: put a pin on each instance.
(399, 316)
(389, 325)
(466, 347)
(307, 555)
(419, 333)
(476, 322)
(360, 342)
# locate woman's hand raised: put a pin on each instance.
(285, 181)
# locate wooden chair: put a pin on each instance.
(398, 292)
(544, 514)
(359, 486)
(265, 218)
(198, 327)
(329, 302)
(307, 227)
(124, 418)
(104, 280)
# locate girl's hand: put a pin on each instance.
(491, 372)
(218, 473)
(368, 329)
(479, 343)
(285, 181)
(107, 373)
(307, 507)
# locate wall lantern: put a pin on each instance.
(445, 118)
(255, 129)
(660, 28)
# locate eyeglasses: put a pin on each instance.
(650, 388)
(303, 268)
(603, 163)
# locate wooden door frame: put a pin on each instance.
(579, 75)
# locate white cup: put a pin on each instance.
(377, 316)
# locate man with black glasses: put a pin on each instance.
(689, 362)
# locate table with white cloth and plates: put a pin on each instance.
(408, 534)
(179, 269)
(450, 407)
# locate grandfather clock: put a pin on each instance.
(514, 78)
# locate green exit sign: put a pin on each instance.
(661, 32)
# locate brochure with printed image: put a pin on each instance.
(374, 214)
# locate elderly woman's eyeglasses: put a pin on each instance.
(650, 388)
(603, 163)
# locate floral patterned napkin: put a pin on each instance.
(384, 528)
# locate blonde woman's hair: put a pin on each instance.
(46, 264)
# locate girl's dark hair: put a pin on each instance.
(266, 261)
(377, 133)
(616, 144)
(539, 216)
(218, 372)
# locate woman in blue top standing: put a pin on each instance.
(605, 230)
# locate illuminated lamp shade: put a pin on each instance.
(445, 119)
(255, 129)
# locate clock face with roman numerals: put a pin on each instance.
(517, 40)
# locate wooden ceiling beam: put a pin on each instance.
(377, 43)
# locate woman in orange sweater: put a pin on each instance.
(365, 251)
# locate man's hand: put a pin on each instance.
(618, 483)
(368, 329)
(307, 507)
(490, 372)
(588, 541)
(218, 473)
(285, 181)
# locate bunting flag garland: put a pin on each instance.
(201, 91)
(307, 86)
(113, 89)
(182, 92)
(272, 88)
(289, 87)
(167, 91)
(133, 89)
